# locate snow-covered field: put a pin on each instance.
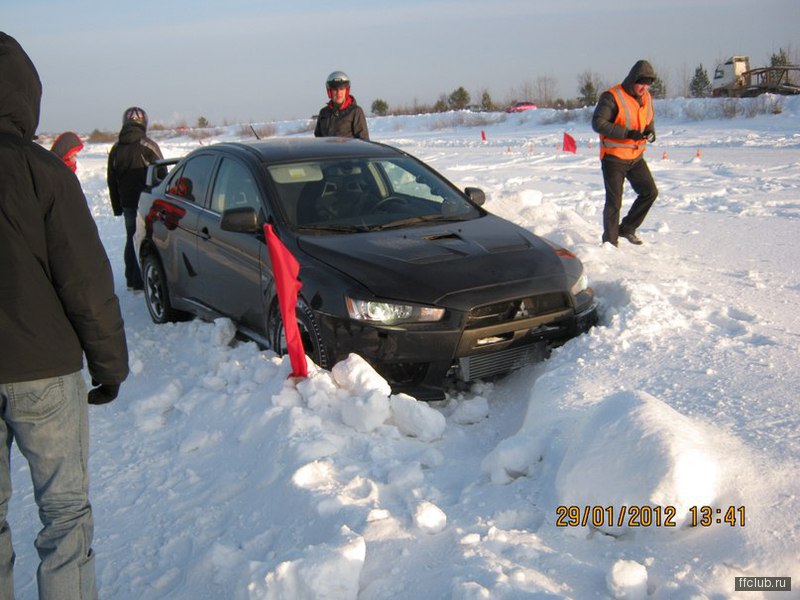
(215, 477)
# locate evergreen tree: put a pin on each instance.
(587, 89)
(202, 122)
(486, 101)
(700, 86)
(380, 108)
(588, 94)
(658, 89)
(459, 99)
(781, 59)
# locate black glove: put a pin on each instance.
(104, 393)
(634, 134)
(649, 134)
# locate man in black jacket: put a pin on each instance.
(57, 303)
(624, 118)
(127, 172)
(341, 117)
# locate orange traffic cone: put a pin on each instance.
(699, 154)
(664, 155)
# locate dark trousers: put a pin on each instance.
(614, 175)
(133, 276)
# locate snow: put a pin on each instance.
(215, 475)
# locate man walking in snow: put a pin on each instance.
(624, 118)
(127, 172)
(57, 303)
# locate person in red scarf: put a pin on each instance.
(341, 117)
(67, 146)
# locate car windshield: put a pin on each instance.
(365, 194)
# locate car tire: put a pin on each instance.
(156, 291)
(309, 333)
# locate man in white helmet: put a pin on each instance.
(341, 116)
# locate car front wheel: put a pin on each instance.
(309, 334)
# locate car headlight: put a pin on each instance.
(583, 294)
(580, 285)
(378, 311)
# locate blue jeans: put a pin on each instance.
(49, 419)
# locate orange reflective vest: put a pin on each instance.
(630, 115)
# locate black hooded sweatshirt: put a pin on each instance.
(57, 298)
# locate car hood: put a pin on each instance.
(456, 265)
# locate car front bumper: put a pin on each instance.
(421, 359)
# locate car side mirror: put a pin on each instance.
(476, 195)
(243, 219)
(157, 171)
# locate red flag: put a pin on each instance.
(285, 269)
(569, 143)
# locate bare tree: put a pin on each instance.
(685, 77)
(546, 89)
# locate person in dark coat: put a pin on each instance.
(126, 176)
(341, 116)
(66, 146)
(624, 118)
(57, 305)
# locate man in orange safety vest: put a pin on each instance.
(624, 119)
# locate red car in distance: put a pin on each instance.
(520, 107)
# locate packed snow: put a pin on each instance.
(214, 475)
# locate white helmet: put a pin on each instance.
(337, 79)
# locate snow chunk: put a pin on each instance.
(430, 518)
(355, 375)
(471, 411)
(417, 419)
(366, 414)
(634, 450)
(627, 580)
(325, 572)
(223, 332)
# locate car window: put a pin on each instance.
(365, 193)
(234, 188)
(190, 182)
(403, 181)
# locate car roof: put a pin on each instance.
(292, 149)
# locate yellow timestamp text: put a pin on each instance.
(616, 516)
(706, 516)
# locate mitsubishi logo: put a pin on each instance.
(522, 311)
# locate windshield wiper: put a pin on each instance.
(336, 227)
(423, 219)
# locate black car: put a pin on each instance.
(396, 264)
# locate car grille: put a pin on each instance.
(514, 310)
(482, 366)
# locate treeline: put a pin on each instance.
(542, 93)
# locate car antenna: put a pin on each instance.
(254, 131)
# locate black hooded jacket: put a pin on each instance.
(605, 113)
(57, 298)
(127, 166)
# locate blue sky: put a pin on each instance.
(249, 60)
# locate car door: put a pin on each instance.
(229, 263)
(175, 224)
